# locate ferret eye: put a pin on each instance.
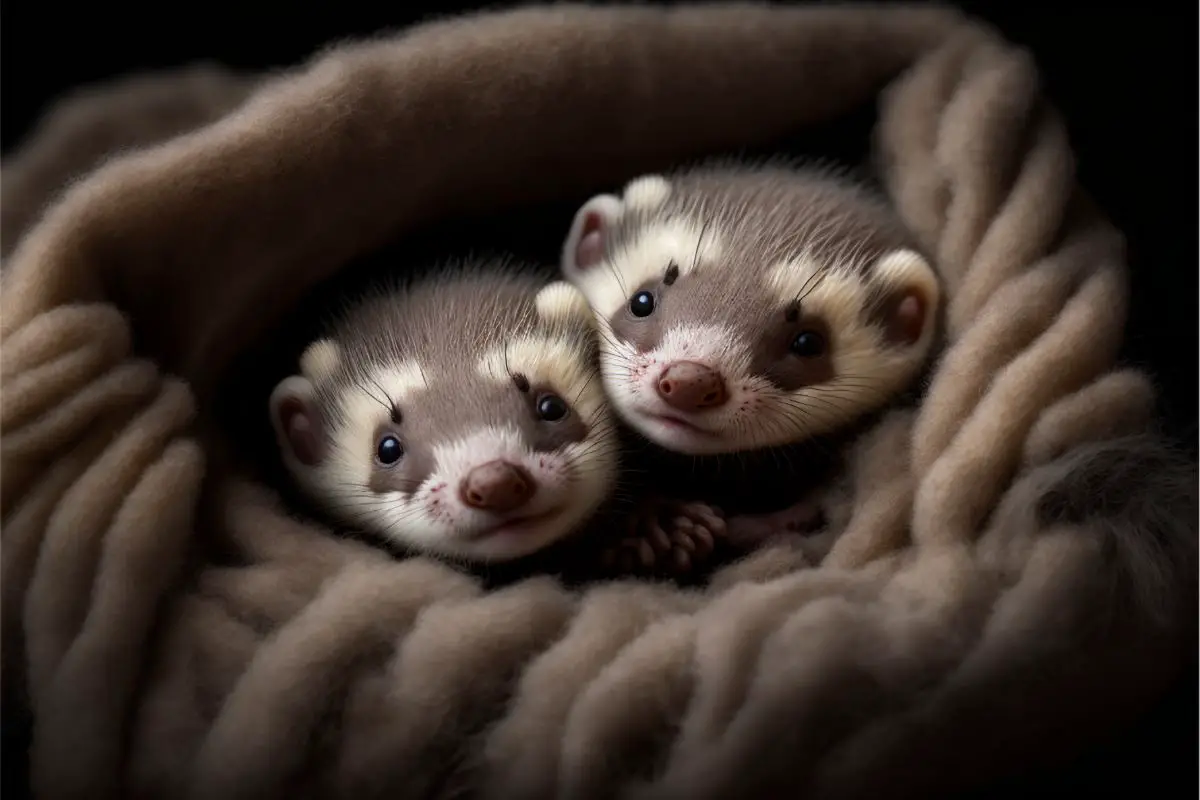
(389, 450)
(551, 408)
(808, 344)
(642, 304)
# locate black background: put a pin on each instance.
(1123, 74)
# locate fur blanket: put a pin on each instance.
(177, 633)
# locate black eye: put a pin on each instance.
(642, 304)
(808, 344)
(551, 408)
(389, 451)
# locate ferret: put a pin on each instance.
(747, 309)
(460, 416)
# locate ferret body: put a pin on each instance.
(460, 417)
(745, 312)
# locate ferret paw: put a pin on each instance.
(667, 537)
(747, 531)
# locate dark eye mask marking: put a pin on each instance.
(796, 354)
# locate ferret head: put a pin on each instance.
(748, 308)
(462, 418)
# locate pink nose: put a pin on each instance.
(497, 486)
(688, 386)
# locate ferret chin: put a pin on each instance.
(744, 308)
(461, 417)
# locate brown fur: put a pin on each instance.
(176, 633)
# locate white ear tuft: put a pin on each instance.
(646, 193)
(562, 301)
(586, 244)
(320, 360)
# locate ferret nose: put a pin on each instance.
(688, 386)
(496, 486)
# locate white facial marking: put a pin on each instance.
(452, 526)
(838, 296)
(435, 519)
(646, 193)
(352, 458)
(680, 241)
(552, 362)
(715, 346)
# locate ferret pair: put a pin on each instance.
(722, 314)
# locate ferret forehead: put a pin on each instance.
(776, 212)
(440, 323)
(732, 295)
(429, 404)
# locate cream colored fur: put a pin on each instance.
(975, 554)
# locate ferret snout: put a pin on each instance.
(498, 486)
(688, 386)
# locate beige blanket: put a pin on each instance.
(176, 633)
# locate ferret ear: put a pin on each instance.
(587, 241)
(297, 423)
(646, 193)
(909, 303)
(560, 301)
(319, 360)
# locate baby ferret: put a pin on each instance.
(461, 416)
(745, 309)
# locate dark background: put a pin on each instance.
(1123, 74)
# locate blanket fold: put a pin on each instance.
(90, 125)
(1015, 581)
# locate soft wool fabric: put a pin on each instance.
(1017, 575)
(97, 122)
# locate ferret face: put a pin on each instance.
(744, 309)
(463, 419)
